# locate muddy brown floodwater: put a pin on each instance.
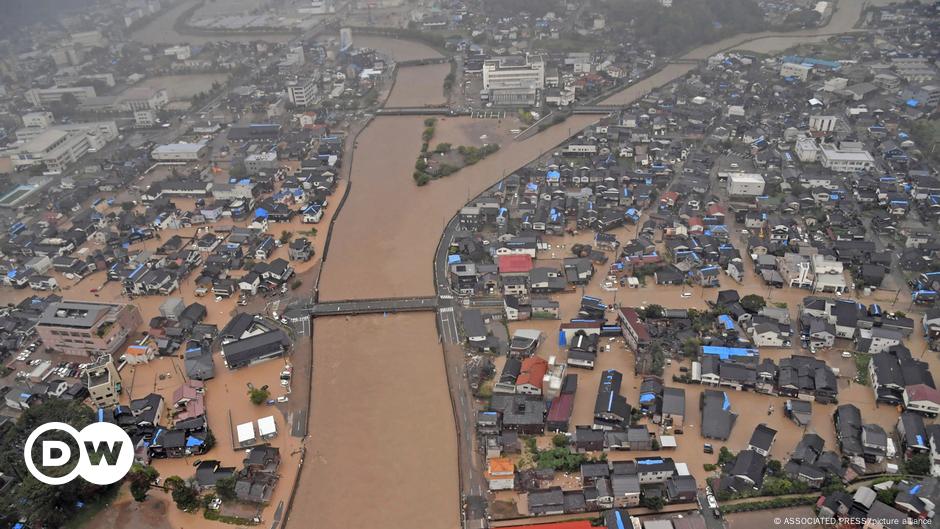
(382, 450)
(398, 50)
(385, 237)
(405, 93)
(382, 445)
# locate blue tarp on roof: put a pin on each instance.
(261, 212)
(649, 461)
(726, 320)
(194, 441)
(647, 397)
(453, 259)
(727, 352)
(912, 103)
(562, 338)
(726, 405)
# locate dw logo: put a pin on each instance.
(106, 453)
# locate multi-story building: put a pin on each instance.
(799, 71)
(103, 382)
(55, 148)
(141, 98)
(513, 80)
(845, 157)
(745, 184)
(302, 92)
(42, 96)
(85, 328)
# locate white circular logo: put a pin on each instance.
(105, 453)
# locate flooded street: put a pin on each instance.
(382, 451)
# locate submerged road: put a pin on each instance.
(405, 243)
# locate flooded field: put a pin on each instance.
(408, 77)
(382, 451)
(184, 86)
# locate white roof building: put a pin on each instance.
(267, 427)
(245, 433)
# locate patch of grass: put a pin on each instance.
(861, 366)
(209, 514)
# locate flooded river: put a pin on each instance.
(382, 451)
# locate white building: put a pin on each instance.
(181, 52)
(345, 39)
(302, 92)
(822, 123)
(142, 98)
(745, 184)
(513, 80)
(145, 118)
(179, 152)
(807, 150)
(38, 119)
(845, 157)
(55, 148)
(43, 96)
(799, 71)
(262, 161)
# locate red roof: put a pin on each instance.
(582, 524)
(631, 318)
(532, 370)
(922, 392)
(515, 264)
(561, 408)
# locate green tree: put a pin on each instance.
(919, 465)
(725, 456)
(286, 236)
(753, 303)
(654, 311)
(258, 395)
(442, 148)
(140, 478)
(653, 503)
(44, 504)
(225, 488)
(127, 206)
(690, 346)
(774, 466)
(560, 440)
(184, 493)
(887, 495)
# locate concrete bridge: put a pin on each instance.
(419, 111)
(423, 62)
(372, 306)
(595, 109)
